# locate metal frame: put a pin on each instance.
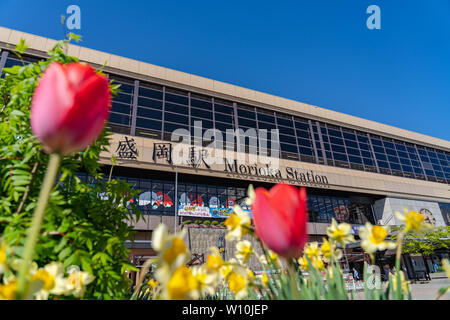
(3, 58)
(134, 108)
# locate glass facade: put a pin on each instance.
(155, 111)
(157, 197)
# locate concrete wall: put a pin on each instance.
(385, 210)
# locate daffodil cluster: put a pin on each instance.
(42, 282)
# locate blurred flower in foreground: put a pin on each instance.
(413, 221)
(8, 291)
(280, 217)
(70, 106)
(182, 285)
(52, 276)
(446, 267)
(77, 282)
(237, 283)
(373, 238)
(340, 232)
(405, 284)
(329, 250)
(244, 251)
(3, 264)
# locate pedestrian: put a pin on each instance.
(355, 274)
(436, 267)
(387, 271)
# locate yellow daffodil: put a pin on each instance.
(152, 283)
(316, 262)
(264, 278)
(182, 285)
(214, 261)
(8, 291)
(238, 224)
(77, 282)
(373, 238)
(340, 232)
(244, 251)
(226, 270)
(237, 283)
(3, 263)
(303, 263)
(176, 249)
(413, 221)
(328, 250)
(250, 274)
(312, 250)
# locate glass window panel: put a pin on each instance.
(201, 104)
(150, 93)
(149, 113)
(119, 118)
(124, 98)
(224, 118)
(201, 113)
(285, 122)
(176, 98)
(144, 102)
(148, 124)
(176, 108)
(223, 109)
(246, 114)
(121, 108)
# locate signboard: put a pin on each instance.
(204, 212)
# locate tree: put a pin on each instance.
(81, 227)
(427, 243)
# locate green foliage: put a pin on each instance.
(198, 221)
(215, 223)
(80, 228)
(426, 243)
(187, 222)
(206, 222)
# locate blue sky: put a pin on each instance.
(317, 52)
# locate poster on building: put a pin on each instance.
(205, 212)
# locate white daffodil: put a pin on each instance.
(77, 282)
(52, 277)
(250, 195)
(206, 281)
(244, 251)
(373, 238)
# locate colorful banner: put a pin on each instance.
(204, 212)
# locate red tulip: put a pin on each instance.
(280, 217)
(70, 106)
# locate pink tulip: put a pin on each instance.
(280, 218)
(70, 106)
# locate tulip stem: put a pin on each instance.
(38, 216)
(293, 279)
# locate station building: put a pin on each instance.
(355, 170)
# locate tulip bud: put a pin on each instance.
(70, 106)
(280, 217)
